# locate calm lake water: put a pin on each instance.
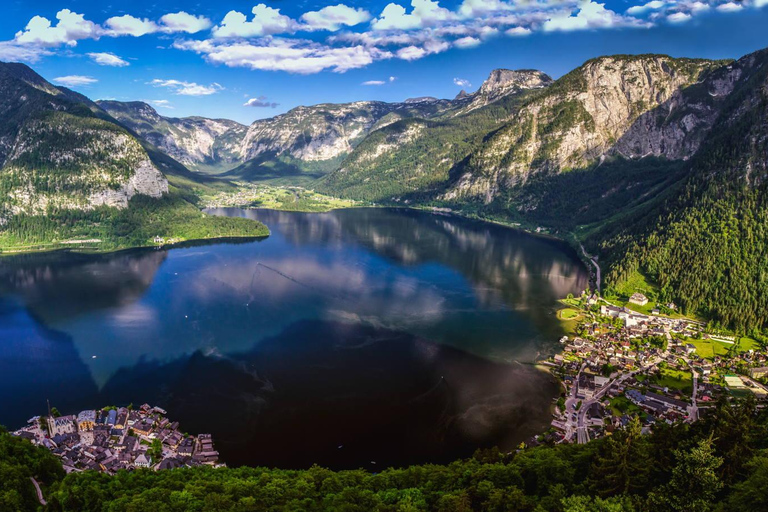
(356, 338)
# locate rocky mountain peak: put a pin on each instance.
(500, 81)
(462, 94)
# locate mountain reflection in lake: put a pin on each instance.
(344, 338)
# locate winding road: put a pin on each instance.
(39, 492)
(593, 259)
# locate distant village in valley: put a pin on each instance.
(117, 438)
(646, 361)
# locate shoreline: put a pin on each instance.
(62, 246)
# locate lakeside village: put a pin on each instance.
(119, 438)
(645, 361)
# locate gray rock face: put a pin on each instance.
(501, 83)
(612, 106)
(327, 131)
(146, 180)
(197, 142)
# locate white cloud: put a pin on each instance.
(10, 51)
(260, 102)
(291, 55)
(467, 42)
(730, 7)
(471, 8)
(380, 82)
(424, 13)
(266, 21)
(462, 82)
(161, 103)
(127, 25)
(591, 15)
(518, 32)
(678, 17)
(334, 17)
(108, 59)
(187, 88)
(650, 6)
(416, 52)
(760, 3)
(411, 53)
(74, 80)
(70, 28)
(184, 22)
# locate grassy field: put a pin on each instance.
(568, 314)
(708, 349)
(621, 405)
(276, 198)
(675, 379)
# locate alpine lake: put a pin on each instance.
(355, 338)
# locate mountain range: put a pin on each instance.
(656, 164)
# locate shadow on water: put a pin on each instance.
(36, 364)
(343, 396)
(392, 334)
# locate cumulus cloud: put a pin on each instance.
(730, 7)
(424, 13)
(108, 59)
(334, 17)
(187, 88)
(260, 102)
(127, 25)
(591, 15)
(518, 31)
(70, 28)
(642, 9)
(467, 42)
(279, 54)
(462, 82)
(678, 17)
(265, 21)
(184, 22)
(471, 8)
(74, 80)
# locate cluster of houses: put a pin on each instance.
(609, 369)
(111, 439)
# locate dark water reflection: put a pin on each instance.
(393, 334)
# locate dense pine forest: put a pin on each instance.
(705, 242)
(719, 463)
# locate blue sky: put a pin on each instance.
(249, 60)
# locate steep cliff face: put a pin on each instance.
(705, 243)
(62, 161)
(633, 106)
(500, 83)
(328, 131)
(57, 152)
(202, 144)
(416, 155)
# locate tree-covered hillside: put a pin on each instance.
(717, 464)
(706, 244)
(70, 173)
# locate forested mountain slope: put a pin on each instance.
(706, 244)
(412, 159)
(69, 170)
